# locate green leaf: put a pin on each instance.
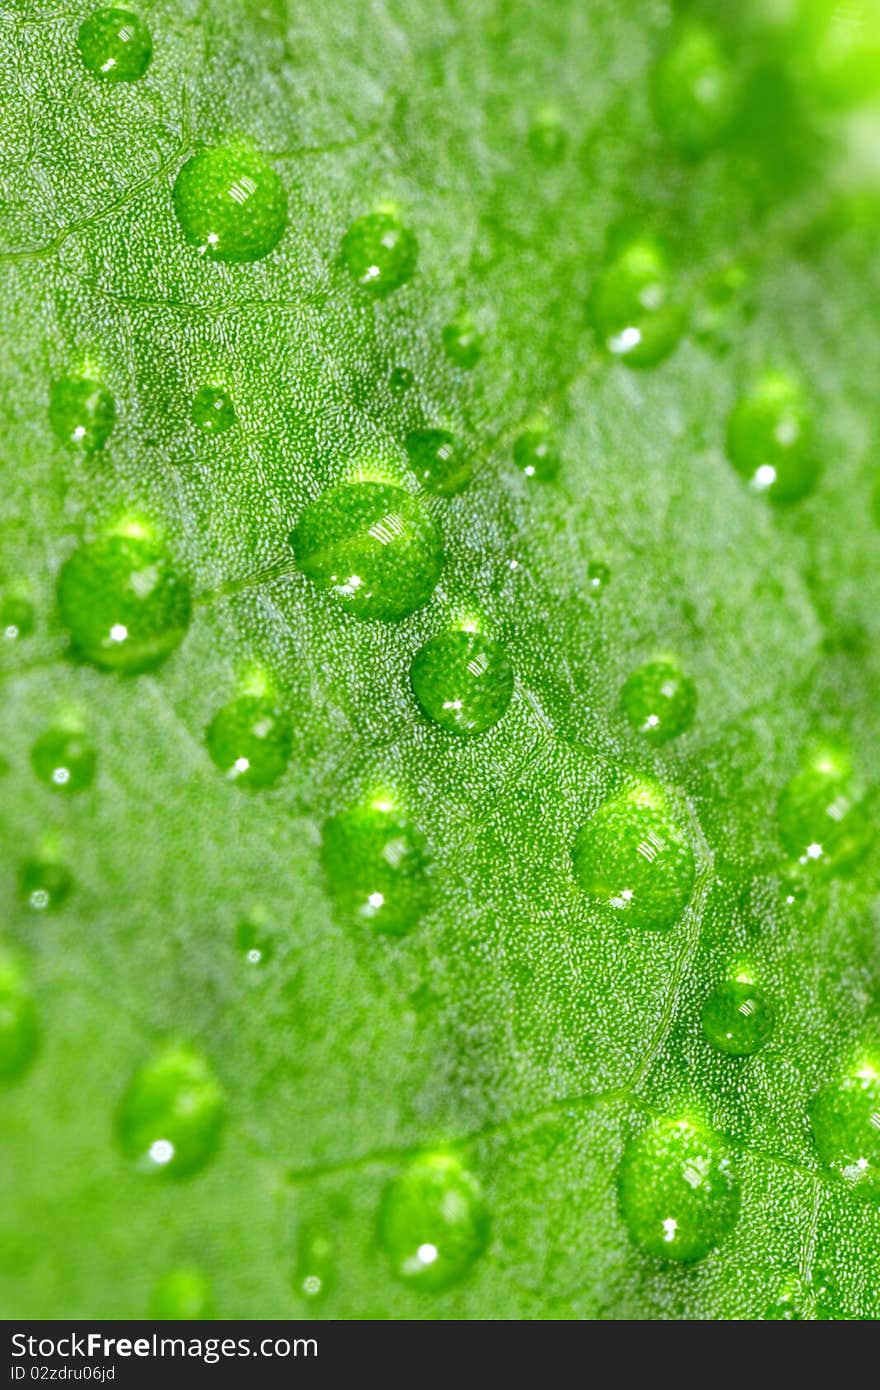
(489, 1093)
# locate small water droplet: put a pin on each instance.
(254, 942)
(315, 1272)
(433, 1222)
(636, 311)
(678, 1190)
(462, 342)
(182, 1295)
(380, 252)
(230, 203)
(19, 1027)
(548, 137)
(376, 866)
(16, 618)
(845, 1119)
(44, 884)
(463, 681)
(536, 456)
(770, 439)
(82, 412)
(64, 760)
(694, 92)
(124, 604)
(400, 380)
(115, 45)
(170, 1118)
(250, 739)
(792, 1302)
(440, 462)
(598, 577)
(373, 546)
(212, 410)
(737, 1018)
(634, 859)
(659, 700)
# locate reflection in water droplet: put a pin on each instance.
(634, 306)
(44, 885)
(373, 546)
(230, 203)
(635, 860)
(16, 619)
(115, 45)
(536, 456)
(737, 1018)
(315, 1272)
(212, 410)
(770, 439)
(463, 681)
(82, 412)
(845, 1119)
(462, 342)
(440, 462)
(376, 866)
(659, 700)
(678, 1190)
(433, 1222)
(824, 818)
(250, 740)
(64, 760)
(380, 252)
(694, 92)
(170, 1118)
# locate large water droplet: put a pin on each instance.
(115, 45)
(64, 760)
(636, 312)
(375, 862)
(678, 1190)
(845, 1118)
(694, 92)
(824, 819)
(19, 1028)
(230, 204)
(81, 411)
(659, 700)
(170, 1118)
(634, 859)
(433, 1222)
(250, 739)
(440, 462)
(462, 680)
(373, 546)
(769, 439)
(182, 1295)
(380, 252)
(737, 1018)
(123, 602)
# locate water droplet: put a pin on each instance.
(254, 942)
(230, 204)
(19, 1028)
(769, 439)
(694, 92)
(64, 759)
(314, 1273)
(634, 307)
(115, 45)
(463, 681)
(170, 1117)
(737, 1018)
(375, 862)
(380, 252)
(212, 410)
(792, 1302)
(440, 462)
(16, 618)
(824, 818)
(462, 342)
(598, 577)
(373, 546)
(659, 700)
(634, 859)
(536, 455)
(44, 885)
(400, 380)
(548, 137)
(250, 740)
(433, 1222)
(81, 411)
(678, 1190)
(125, 606)
(182, 1295)
(845, 1118)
